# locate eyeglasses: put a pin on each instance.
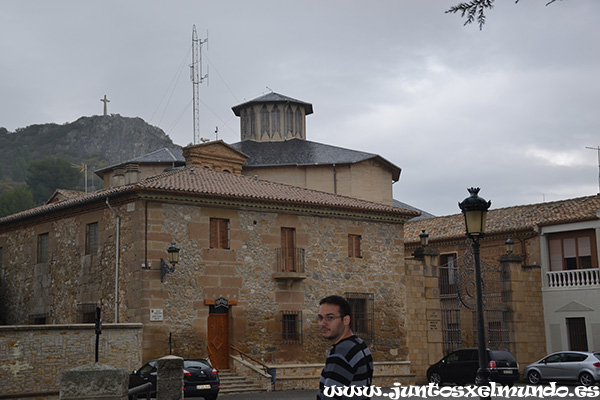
(328, 318)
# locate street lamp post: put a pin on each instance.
(474, 209)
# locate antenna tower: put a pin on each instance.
(197, 78)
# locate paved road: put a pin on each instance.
(560, 392)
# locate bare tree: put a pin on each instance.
(475, 10)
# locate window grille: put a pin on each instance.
(363, 314)
(291, 327)
(86, 313)
(38, 319)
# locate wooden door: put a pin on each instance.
(218, 340)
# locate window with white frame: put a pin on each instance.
(572, 250)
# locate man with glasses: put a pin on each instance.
(349, 361)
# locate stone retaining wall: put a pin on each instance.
(306, 376)
(32, 357)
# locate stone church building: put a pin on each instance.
(261, 240)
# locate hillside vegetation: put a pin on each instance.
(97, 141)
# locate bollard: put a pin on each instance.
(169, 378)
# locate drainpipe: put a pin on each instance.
(116, 262)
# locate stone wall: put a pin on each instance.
(244, 274)
(423, 315)
(368, 180)
(33, 357)
(526, 311)
(70, 276)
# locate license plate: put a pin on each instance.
(203, 387)
(507, 371)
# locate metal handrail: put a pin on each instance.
(242, 354)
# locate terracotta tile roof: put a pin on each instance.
(66, 203)
(509, 219)
(209, 183)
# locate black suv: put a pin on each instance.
(461, 367)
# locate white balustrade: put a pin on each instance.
(573, 278)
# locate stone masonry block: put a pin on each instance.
(94, 381)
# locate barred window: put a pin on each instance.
(37, 319)
(291, 327)
(42, 248)
(91, 238)
(354, 242)
(86, 313)
(363, 314)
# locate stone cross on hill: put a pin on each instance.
(105, 100)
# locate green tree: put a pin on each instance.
(475, 10)
(47, 175)
(18, 165)
(14, 200)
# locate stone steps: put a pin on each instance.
(235, 383)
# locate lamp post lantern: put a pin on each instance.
(474, 209)
(173, 257)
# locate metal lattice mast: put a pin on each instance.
(197, 78)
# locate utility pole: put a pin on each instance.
(597, 148)
(197, 78)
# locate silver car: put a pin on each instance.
(579, 366)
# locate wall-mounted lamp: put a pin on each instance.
(173, 256)
(509, 245)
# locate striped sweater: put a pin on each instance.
(349, 363)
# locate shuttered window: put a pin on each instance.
(572, 250)
(219, 233)
(288, 249)
(354, 242)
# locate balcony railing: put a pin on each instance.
(290, 265)
(573, 278)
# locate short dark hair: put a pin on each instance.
(339, 301)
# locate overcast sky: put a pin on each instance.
(510, 108)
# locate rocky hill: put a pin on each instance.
(97, 141)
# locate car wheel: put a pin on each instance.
(586, 379)
(534, 377)
(435, 378)
(212, 397)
